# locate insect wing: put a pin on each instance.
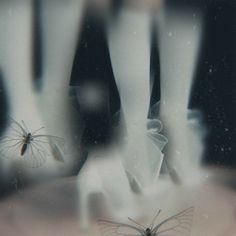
(41, 147)
(35, 155)
(176, 225)
(11, 143)
(10, 146)
(110, 228)
(17, 128)
(54, 146)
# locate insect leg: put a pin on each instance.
(10, 140)
(24, 126)
(16, 131)
(35, 131)
(10, 146)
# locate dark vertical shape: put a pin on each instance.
(37, 45)
(214, 88)
(4, 111)
(154, 66)
(92, 64)
(114, 97)
(92, 59)
(115, 6)
(83, 157)
(4, 108)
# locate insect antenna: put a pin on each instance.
(24, 125)
(154, 219)
(35, 131)
(136, 223)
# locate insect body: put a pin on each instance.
(33, 147)
(26, 142)
(176, 225)
(148, 232)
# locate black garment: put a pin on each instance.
(92, 64)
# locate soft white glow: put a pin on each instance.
(91, 96)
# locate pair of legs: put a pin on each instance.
(49, 107)
(179, 36)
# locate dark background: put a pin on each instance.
(214, 91)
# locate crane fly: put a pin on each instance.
(175, 225)
(32, 147)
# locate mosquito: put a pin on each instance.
(175, 225)
(32, 147)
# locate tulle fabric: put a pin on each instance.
(151, 146)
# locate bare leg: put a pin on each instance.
(15, 62)
(180, 35)
(129, 45)
(61, 25)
